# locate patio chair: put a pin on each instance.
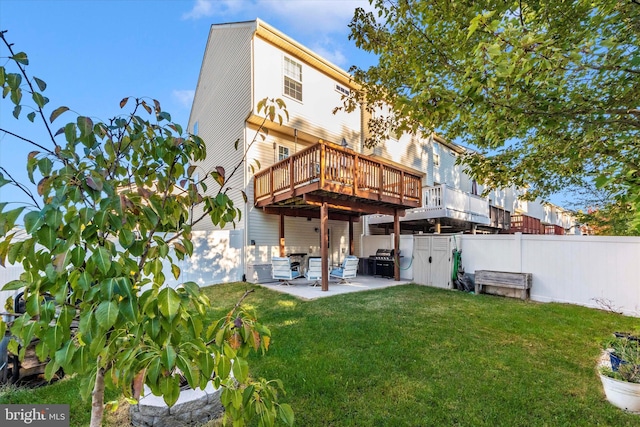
(348, 270)
(314, 270)
(281, 270)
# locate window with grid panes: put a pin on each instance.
(292, 79)
(283, 152)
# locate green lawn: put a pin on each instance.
(418, 356)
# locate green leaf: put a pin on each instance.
(21, 58)
(45, 165)
(80, 361)
(31, 116)
(33, 221)
(170, 387)
(40, 100)
(286, 414)
(169, 302)
(53, 337)
(64, 356)
(85, 281)
(247, 394)
(85, 124)
(168, 357)
(107, 314)
(126, 238)
(224, 367)
(46, 237)
(51, 369)
(175, 270)
(129, 309)
(108, 287)
(188, 246)
(240, 369)
(189, 370)
(70, 132)
(77, 256)
(16, 110)
(41, 84)
(8, 219)
(102, 258)
(14, 285)
(15, 250)
(14, 80)
(154, 370)
(473, 26)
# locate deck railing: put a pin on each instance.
(330, 167)
(443, 197)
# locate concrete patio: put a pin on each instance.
(302, 288)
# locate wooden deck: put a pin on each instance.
(348, 181)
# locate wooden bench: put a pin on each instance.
(503, 283)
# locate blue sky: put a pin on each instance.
(93, 53)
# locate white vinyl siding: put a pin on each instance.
(314, 116)
(221, 104)
(300, 237)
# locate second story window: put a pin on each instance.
(292, 79)
(283, 152)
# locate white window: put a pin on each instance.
(283, 152)
(292, 79)
(436, 159)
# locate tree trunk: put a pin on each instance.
(97, 399)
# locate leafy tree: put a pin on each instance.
(546, 90)
(110, 208)
(598, 212)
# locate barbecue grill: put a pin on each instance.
(383, 263)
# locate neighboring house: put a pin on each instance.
(453, 201)
(317, 182)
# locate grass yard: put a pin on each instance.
(418, 356)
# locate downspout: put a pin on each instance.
(245, 252)
(245, 172)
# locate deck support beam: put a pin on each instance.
(351, 245)
(396, 245)
(324, 243)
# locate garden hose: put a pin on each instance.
(457, 260)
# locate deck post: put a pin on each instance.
(351, 248)
(324, 243)
(396, 244)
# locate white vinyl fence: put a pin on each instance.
(217, 258)
(598, 272)
(593, 271)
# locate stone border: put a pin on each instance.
(193, 407)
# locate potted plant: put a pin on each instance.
(620, 372)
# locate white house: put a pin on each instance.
(316, 180)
